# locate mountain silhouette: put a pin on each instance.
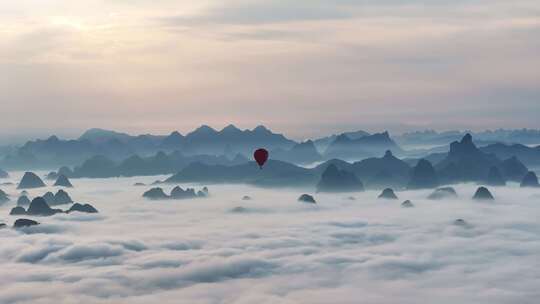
(375, 173)
(174, 141)
(97, 135)
(443, 193)
(206, 140)
(23, 200)
(528, 155)
(423, 176)
(306, 198)
(374, 145)
(483, 194)
(274, 173)
(336, 180)
(21, 223)
(386, 171)
(323, 142)
(63, 181)
(301, 153)
(54, 152)
(513, 169)
(84, 208)
(30, 180)
(155, 194)
(135, 165)
(465, 163)
(389, 194)
(39, 207)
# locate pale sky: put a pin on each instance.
(302, 67)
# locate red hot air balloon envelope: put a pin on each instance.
(261, 156)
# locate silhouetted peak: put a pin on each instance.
(483, 193)
(85, 208)
(17, 211)
(19, 223)
(306, 198)
(99, 135)
(407, 204)
(204, 129)
(423, 176)
(230, 129)
(443, 193)
(388, 193)
(261, 129)
(336, 180)
(39, 207)
(155, 194)
(53, 138)
(342, 138)
(174, 139)
(175, 134)
(379, 137)
(62, 197)
(465, 146)
(467, 139)
(63, 181)
(23, 200)
(388, 154)
(30, 180)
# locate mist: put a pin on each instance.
(274, 249)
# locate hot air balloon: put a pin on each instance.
(261, 156)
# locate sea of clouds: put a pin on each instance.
(274, 250)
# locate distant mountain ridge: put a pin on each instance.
(231, 141)
(378, 172)
(206, 140)
(100, 166)
(372, 145)
(54, 152)
(323, 143)
(97, 135)
(507, 136)
(466, 162)
(528, 155)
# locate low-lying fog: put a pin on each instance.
(276, 250)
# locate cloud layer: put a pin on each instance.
(278, 251)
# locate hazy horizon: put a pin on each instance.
(306, 68)
(20, 138)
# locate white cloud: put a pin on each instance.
(197, 251)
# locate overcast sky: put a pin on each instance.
(303, 67)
